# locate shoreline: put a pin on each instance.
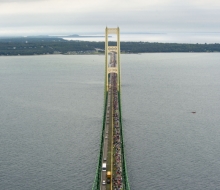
(56, 46)
(103, 54)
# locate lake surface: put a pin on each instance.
(191, 38)
(51, 120)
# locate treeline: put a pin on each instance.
(42, 45)
(142, 47)
(39, 46)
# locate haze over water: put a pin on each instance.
(170, 37)
(51, 119)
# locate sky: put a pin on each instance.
(63, 17)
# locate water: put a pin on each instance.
(167, 146)
(191, 38)
(51, 117)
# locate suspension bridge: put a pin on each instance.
(111, 172)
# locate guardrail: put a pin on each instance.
(125, 175)
(96, 183)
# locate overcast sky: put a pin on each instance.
(90, 16)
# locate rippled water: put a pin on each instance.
(51, 117)
(167, 146)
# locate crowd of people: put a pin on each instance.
(117, 157)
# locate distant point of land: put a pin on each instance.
(44, 44)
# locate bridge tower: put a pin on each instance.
(109, 49)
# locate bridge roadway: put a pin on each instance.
(111, 138)
(107, 146)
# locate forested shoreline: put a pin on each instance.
(50, 45)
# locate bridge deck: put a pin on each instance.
(111, 172)
(112, 138)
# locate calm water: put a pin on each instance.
(160, 37)
(51, 117)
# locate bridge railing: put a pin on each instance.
(124, 168)
(96, 183)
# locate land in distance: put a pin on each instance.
(41, 45)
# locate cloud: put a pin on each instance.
(139, 15)
(18, 1)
